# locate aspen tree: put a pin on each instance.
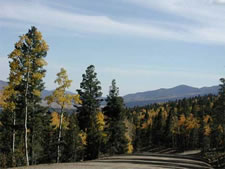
(26, 75)
(63, 100)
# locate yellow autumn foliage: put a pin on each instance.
(130, 147)
(38, 35)
(14, 65)
(149, 122)
(100, 121)
(181, 120)
(192, 122)
(6, 94)
(38, 76)
(60, 96)
(37, 92)
(129, 135)
(56, 121)
(207, 119)
(207, 130)
(1, 98)
(41, 62)
(83, 137)
(77, 99)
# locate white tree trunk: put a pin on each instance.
(14, 133)
(59, 137)
(25, 121)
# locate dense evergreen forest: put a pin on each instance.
(31, 134)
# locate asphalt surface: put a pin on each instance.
(136, 161)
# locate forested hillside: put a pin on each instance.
(31, 134)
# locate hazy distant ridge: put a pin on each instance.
(164, 95)
(155, 96)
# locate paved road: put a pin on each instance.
(137, 161)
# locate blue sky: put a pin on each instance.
(143, 44)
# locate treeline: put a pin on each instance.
(32, 134)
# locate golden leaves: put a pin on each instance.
(38, 76)
(41, 62)
(28, 41)
(38, 35)
(130, 148)
(6, 102)
(207, 130)
(100, 121)
(59, 95)
(1, 98)
(15, 53)
(181, 120)
(36, 92)
(83, 137)
(192, 122)
(77, 99)
(14, 65)
(184, 124)
(207, 119)
(56, 121)
(151, 115)
(44, 46)
(19, 44)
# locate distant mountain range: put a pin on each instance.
(155, 96)
(43, 95)
(2, 84)
(164, 95)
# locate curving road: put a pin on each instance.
(136, 161)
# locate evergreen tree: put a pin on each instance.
(47, 142)
(90, 94)
(115, 112)
(73, 146)
(219, 115)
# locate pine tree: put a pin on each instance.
(73, 147)
(219, 115)
(90, 94)
(115, 112)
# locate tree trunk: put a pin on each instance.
(32, 155)
(13, 139)
(25, 122)
(59, 136)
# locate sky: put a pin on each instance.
(143, 44)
